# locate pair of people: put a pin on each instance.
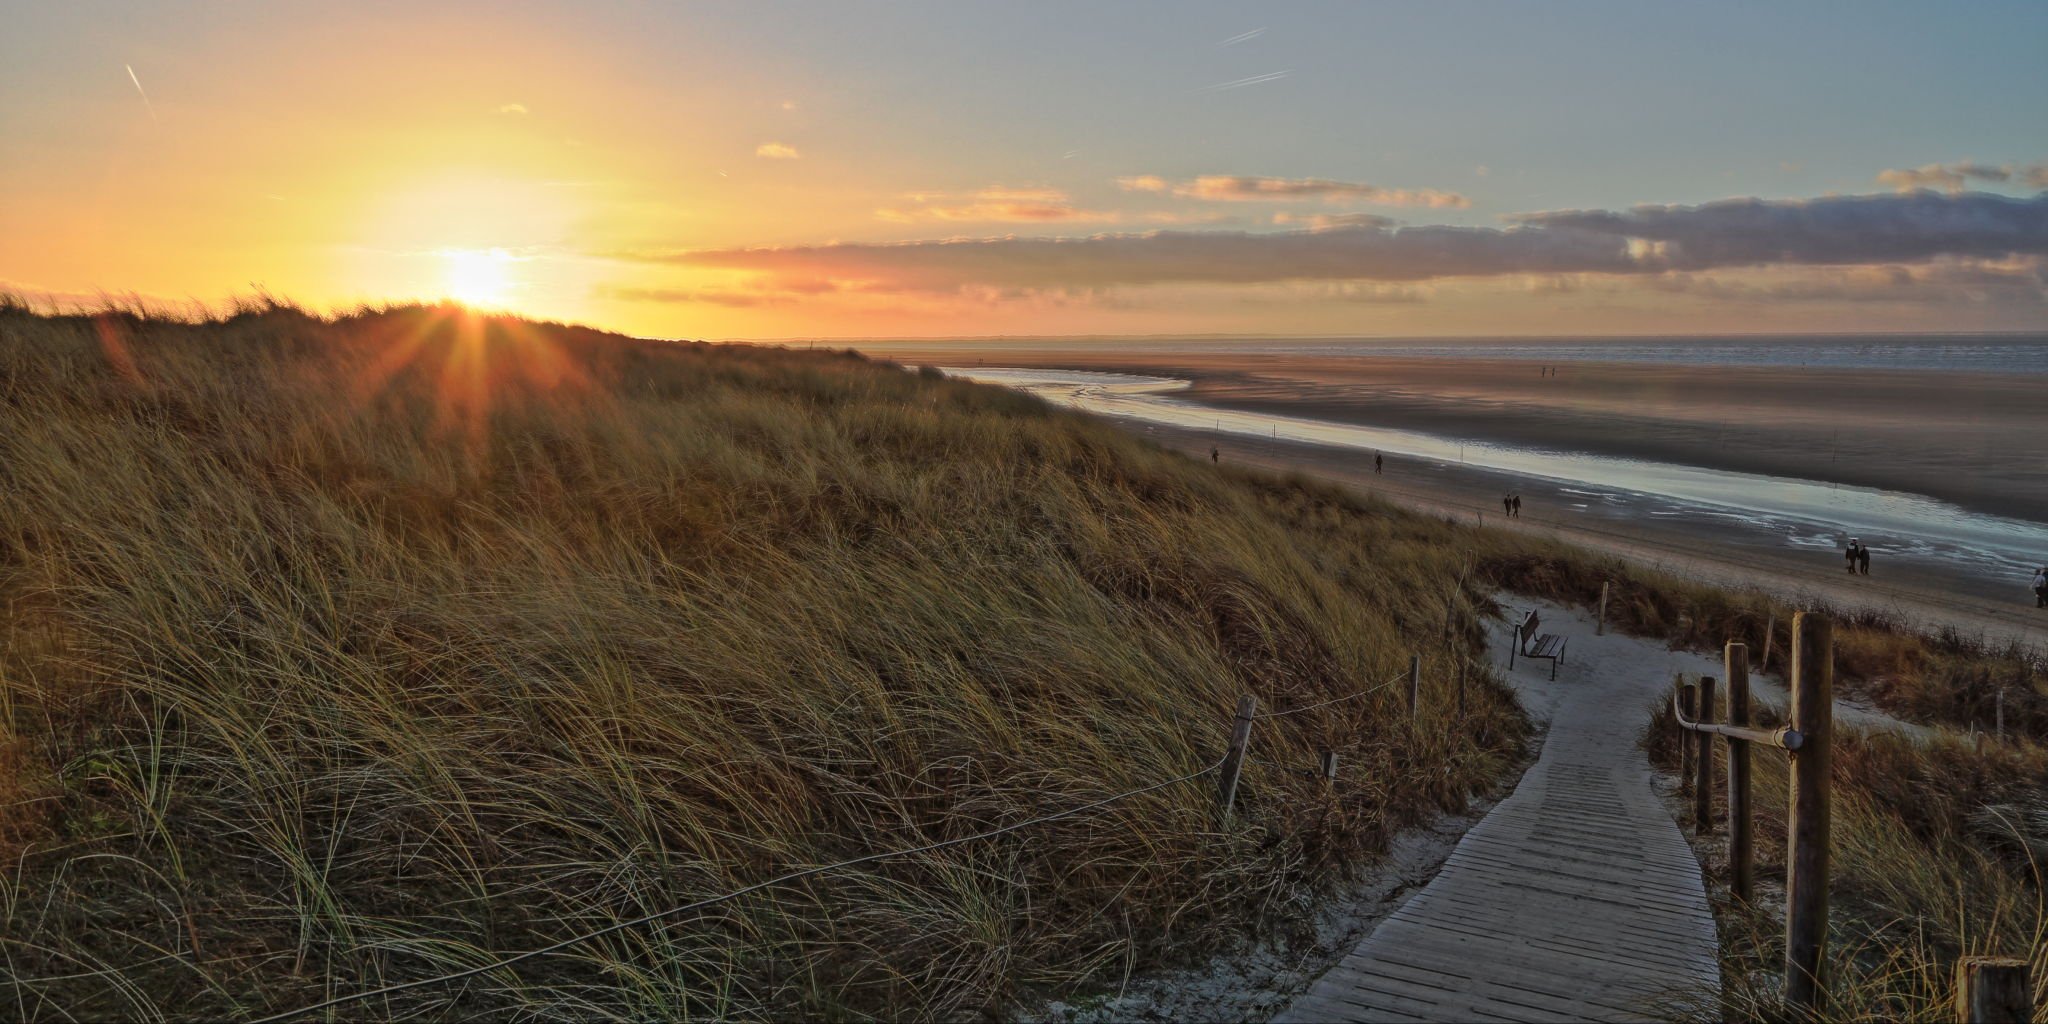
(1512, 505)
(1857, 555)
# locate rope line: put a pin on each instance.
(1334, 700)
(715, 900)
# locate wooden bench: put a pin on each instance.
(1531, 644)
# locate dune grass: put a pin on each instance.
(1939, 844)
(336, 653)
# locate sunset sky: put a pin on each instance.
(861, 170)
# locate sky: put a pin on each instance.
(792, 170)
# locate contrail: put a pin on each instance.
(146, 105)
(1244, 37)
(1242, 82)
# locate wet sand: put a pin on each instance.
(1977, 440)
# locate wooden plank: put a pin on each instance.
(1576, 898)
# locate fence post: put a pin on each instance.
(1686, 738)
(1806, 876)
(1414, 685)
(1600, 627)
(2001, 712)
(1233, 760)
(1703, 765)
(1770, 637)
(1741, 841)
(1993, 990)
(1329, 766)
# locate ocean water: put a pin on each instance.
(1962, 353)
(1793, 512)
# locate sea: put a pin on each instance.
(1956, 353)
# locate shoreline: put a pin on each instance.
(1978, 441)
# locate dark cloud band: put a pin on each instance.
(1837, 230)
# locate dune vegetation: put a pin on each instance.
(345, 653)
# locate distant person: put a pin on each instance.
(1515, 506)
(1379, 463)
(1507, 504)
(1215, 455)
(1863, 559)
(2041, 588)
(1849, 554)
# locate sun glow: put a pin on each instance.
(478, 277)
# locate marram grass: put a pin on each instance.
(341, 653)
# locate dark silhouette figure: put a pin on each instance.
(2041, 588)
(1849, 554)
(1215, 456)
(1515, 506)
(1863, 559)
(1379, 463)
(1507, 505)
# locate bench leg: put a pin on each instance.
(1553, 669)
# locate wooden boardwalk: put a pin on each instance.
(1575, 899)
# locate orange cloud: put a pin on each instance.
(776, 151)
(1242, 188)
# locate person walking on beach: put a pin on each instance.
(1515, 506)
(1863, 559)
(2041, 588)
(1379, 463)
(1215, 456)
(1849, 554)
(1507, 504)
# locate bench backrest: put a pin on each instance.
(1528, 628)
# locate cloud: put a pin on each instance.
(512, 108)
(1836, 230)
(775, 151)
(1327, 221)
(1240, 188)
(1026, 205)
(1905, 228)
(1947, 177)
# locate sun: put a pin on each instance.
(478, 277)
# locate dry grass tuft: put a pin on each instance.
(342, 653)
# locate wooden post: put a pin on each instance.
(1741, 831)
(1770, 637)
(1806, 875)
(1993, 990)
(1233, 760)
(1329, 766)
(1686, 738)
(1600, 627)
(1414, 685)
(1703, 765)
(2001, 713)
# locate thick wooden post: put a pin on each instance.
(1687, 738)
(1806, 875)
(1414, 686)
(1233, 760)
(1703, 764)
(1741, 834)
(1600, 627)
(1993, 990)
